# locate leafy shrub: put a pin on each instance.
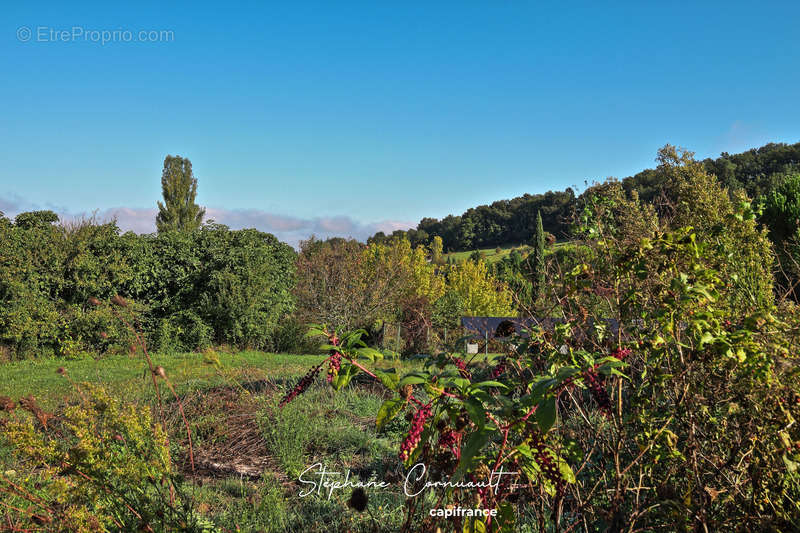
(781, 210)
(742, 251)
(97, 328)
(244, 286)
(183, 331)
(102, 466)
(480, 294)
(680, 420)
(209, 285)
(781, 214)
(290, 337)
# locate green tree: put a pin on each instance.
(436, 251)
(781, 211)
(479, 293)
(179, 188)
(781, 215)
(476, 256)
(743, 252)
(35, 219)
(537, 257)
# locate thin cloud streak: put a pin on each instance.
(289, 229)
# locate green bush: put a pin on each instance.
(191, 289)
(103, 466)
(781, 215)
(290, 337)
(683, 420)
(183, 331)
(741, 250)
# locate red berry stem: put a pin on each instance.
(415, 433)
(301, 386)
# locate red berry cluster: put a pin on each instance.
(462, 368)
(599, 392)
(415, 433)
(499, 369)
(301, 386)
(448, 440)
(621, 353)
(483, 492)
(335, 360)
(334, 365)
(545, 462)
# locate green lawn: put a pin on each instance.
(128, 375)
(491, 255)
(232, 425)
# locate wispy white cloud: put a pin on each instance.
(293, 229)
(286, 228)
(133, 219)
(11, 204)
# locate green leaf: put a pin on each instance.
(476, 411)
(388, 410)
(486, 384)
(459, 383)
(475, 442)
(342, 379)
(608, 368)
(370, 354)
(411, 379)
(525, 450)
(474, 525)
(707, 338)
(615, 372)
(546, 414)
(344, 376)
(566, 471)
(566, 372)
(541, 386)
(389, 380)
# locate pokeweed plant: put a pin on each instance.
(467, 415)
(677, 419)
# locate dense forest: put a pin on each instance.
(511, 222)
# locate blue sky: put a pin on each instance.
(344, 117)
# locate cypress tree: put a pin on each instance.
(179, 188)
(537, 257)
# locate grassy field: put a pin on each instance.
(248, 453)
(491, 255)
(127, 375)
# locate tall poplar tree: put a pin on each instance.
(179, 188)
